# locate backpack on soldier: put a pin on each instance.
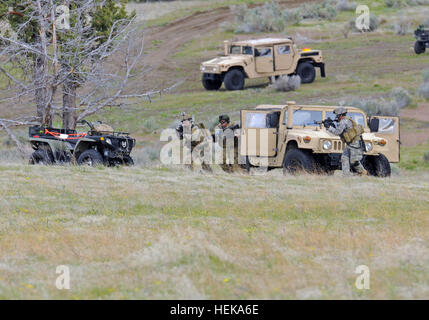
(351, 134)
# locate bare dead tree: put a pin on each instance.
(92, 66)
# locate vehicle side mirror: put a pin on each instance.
(374, 124)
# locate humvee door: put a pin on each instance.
(259, 132)
(264, 59)
(283, 55)
(387, 128)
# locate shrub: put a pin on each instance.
(266, 18)
(150, 124)
(324, 10)
(426, 157)
(424, 87)
(287, 83)
(425, 75)
(417, 2)
(345, 5)
(394, 3)
(424, 90)
(402, 26)
(292, 16)
(401, 97)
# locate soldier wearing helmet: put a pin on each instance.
(351, 134)
(225, 136)
(192, 136)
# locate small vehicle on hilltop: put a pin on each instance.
(293, 137)
(100, 145)
(260, 58)
(422, 39)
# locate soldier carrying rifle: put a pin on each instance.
(351, 134)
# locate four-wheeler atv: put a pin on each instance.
(422, 36)
(100, 145)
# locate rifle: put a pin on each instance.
(326, 123)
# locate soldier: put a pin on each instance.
(351, 134)
(192, 136)
(224, 133)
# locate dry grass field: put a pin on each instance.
(168, 233)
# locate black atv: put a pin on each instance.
(422, 36)
(100, 145)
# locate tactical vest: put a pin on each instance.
(352, 134)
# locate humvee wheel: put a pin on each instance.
(90, 157)
(234, 80)
(419, 47)
(41, 156)
(297, 160)
(306, 72)
(210, 84)
(377, 166)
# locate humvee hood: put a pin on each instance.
(226, 60)
(322, 134)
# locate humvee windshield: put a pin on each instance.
(248, 50)
(356, 116)
(235, 50)
(305, 117)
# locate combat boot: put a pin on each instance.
(363, 173)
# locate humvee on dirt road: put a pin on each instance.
(257, 59)
(292, 136)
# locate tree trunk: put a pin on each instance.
(40, 91)
(69, 105)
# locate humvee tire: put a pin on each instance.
(419, 47)
(210, 84)
(377, 166)
(297, 160)
(90, 157)
(306, 72)
(41, 156)
(234, 80)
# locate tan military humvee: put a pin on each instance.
(257, 59)
(292, 136)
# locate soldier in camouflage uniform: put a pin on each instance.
(351, 134)
(192, 137)
(224, 134)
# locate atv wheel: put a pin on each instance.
(297, 160)
(234, 80)
(306, 72)
(41, 156)
(128, 161)
(419, 47)
(377, 166)
(210, 84)
(90, 158)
